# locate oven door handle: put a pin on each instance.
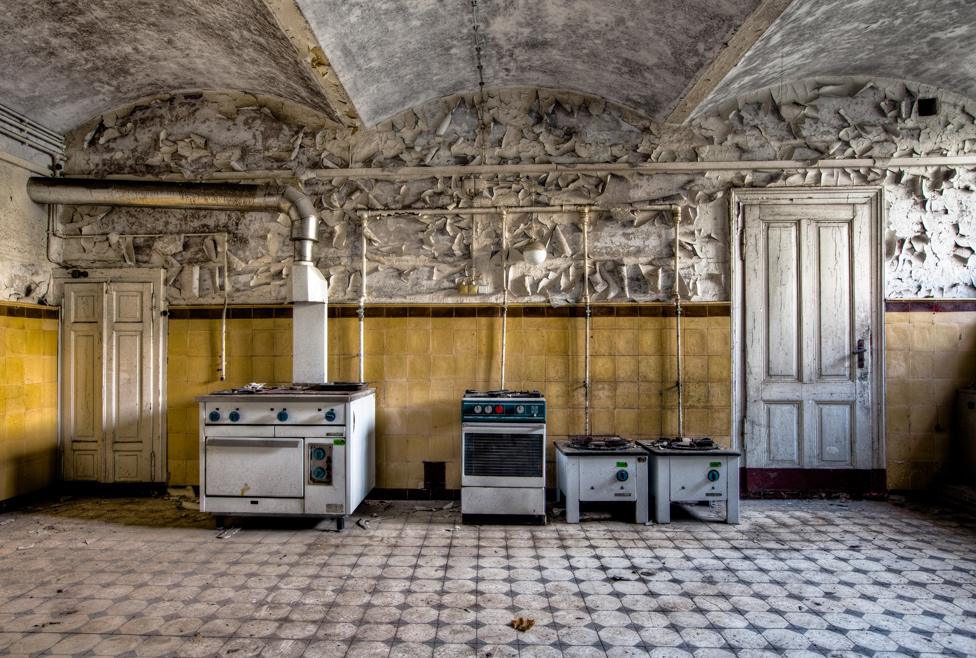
(503, 428)
(252, 443)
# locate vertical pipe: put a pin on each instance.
(587, 314)
(677, 321)
(504, 297)
(361, 311)
(223, 319)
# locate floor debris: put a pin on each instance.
(227, 533)
(522, 624)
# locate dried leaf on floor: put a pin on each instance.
(522, 624)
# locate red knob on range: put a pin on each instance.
(499, 409)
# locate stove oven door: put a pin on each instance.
(255, 467)
(503, 455)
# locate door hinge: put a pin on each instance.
(152, 464)
(742, 243)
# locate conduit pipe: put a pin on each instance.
(504, 296)
(361, 311)
(586, 319)
(309, 290)
(677, 321)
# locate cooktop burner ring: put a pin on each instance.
(502, 394)
(598, 442)
(691, 445)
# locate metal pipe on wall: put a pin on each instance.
(309, 290)
(586, 325)
(677, 321)
(361, 311)
(504, 296)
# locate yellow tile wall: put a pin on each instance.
(28, 399)
(421, 366)
(929, 356)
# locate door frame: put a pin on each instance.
(874, 197)
(159, 470)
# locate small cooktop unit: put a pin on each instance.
(692, 471)
(503, 456)
(602, 468)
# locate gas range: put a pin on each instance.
(503, 456)
(503, 406)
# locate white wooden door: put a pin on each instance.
(809, 316)
(129, 366)
(82, 381)
(111, 381)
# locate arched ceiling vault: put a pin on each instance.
(362, 61)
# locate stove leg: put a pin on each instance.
(732, 500)
(340, 523)
(572, 509)
(662, 490)
(219, 522)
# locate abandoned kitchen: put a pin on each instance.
(471, 328)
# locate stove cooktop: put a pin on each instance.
(502, 394)
(295, 388)
(599, 442)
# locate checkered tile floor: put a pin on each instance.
(145, 577)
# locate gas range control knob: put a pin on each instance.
(234, 416)
(713, 475)
(477, 408)
(499, 409)
(622, 475)
(487, 408)
(520, 409)
(282, 416)
(330, 415)
(214, 416)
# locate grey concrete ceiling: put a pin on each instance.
(395, 54)
(66, 60)
(932, 42)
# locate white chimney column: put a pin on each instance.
(310, 331)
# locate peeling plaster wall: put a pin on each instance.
(25, 271)
(928, 240)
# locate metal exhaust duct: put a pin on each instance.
(309, 289)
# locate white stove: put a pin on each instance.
(292, 449)
(605, 469)
(503, 456)
(692, 471)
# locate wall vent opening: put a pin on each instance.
(928, 107)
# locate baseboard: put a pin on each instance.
(812, 482)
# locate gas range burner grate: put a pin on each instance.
(295, 387)
(503, 393)
(701, 444)
(599, 442)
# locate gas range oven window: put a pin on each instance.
(498, 454)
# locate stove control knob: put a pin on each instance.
(282, 416)
(477, 408)
(234, 416)
(214, 416)
(622, 475)
(520, 409)
(318, 473)
(330, 415)
(487, 408)
(713, 475)
(318, 454)
(499, 409)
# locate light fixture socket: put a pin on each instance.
(534, 253)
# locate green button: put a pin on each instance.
(714, 464)
(621, 464)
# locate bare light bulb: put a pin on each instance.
(534, 253)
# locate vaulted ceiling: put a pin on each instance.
(66, 60)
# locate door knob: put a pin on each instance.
(860, 352)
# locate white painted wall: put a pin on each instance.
(25, 271)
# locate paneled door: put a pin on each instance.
(807, 305)
(112, 401)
